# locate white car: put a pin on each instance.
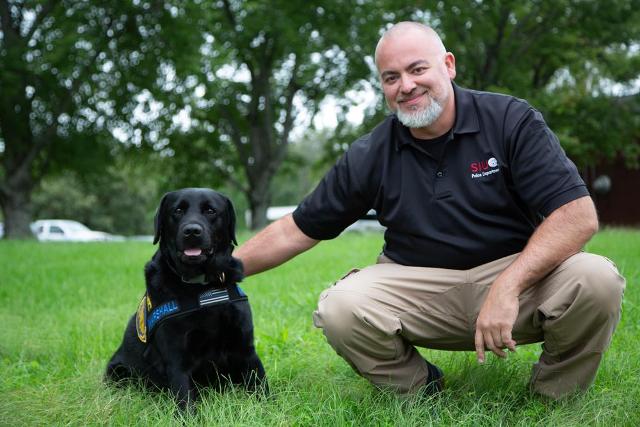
(367, 223)
(65, 230)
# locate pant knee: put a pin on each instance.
(585, 308)
(352, 321)
(336, 315)
(601, 286)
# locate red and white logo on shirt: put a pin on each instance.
(484, 168)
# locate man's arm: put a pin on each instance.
(561, 234)
(277, 243)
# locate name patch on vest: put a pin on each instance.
(161, 312)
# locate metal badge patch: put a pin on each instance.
(141, 319)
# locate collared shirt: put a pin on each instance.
(502, 171)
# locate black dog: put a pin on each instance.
(193, 327)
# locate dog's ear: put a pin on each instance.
(232, 222)
(160, 214)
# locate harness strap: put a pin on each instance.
(148, 317)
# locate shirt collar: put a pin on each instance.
(466, 118)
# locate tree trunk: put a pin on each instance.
(259, 200)
(258, 210)
(16, 209)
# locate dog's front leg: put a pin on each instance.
(182, 387)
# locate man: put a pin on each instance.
(485, 217)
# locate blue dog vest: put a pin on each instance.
(149, 317)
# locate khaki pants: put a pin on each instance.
(374, 317)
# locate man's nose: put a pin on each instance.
(407, 84)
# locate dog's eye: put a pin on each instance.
(178, 211)
(210, 211)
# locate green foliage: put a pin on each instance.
(262, 65)
(121, 200)
(247, 72)
(64, 307)
(563, 57)
(576, 61)
(73, 72)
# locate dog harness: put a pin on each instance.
(149, 317)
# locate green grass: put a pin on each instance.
(63, 308)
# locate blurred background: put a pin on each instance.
(106, 105)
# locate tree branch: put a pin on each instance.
(236, 138)
(493, 50)
(292, 89)
(232, 179)
(233, 22)
(11, 33)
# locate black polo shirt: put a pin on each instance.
(501, 171)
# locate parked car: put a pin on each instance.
(65, 230)
(369, 222)
(1, 230)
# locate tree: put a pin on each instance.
(72, 72)
(263, 64)
(565, 57)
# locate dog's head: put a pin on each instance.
(194, 226)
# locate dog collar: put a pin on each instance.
(202, 279)
(149, 317)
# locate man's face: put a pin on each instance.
(415, 76)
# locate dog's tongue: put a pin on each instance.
(193, 252)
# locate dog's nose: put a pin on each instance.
(192, 230)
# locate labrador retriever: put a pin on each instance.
(193, 327)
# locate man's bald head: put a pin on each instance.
(415, 73)
(402, 29)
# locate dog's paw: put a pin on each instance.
(234, 271)
(231, 267)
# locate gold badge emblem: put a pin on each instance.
(141, 318)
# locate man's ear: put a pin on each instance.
(160, 214)
(232, 223)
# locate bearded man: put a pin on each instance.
(485, 222)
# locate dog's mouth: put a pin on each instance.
(193, 252)
(195, 255)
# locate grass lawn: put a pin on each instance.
(63, 309)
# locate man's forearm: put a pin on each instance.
(277, 243)
(560, 235)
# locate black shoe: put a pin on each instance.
(435, 381)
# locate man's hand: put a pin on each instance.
(495, 321)
(561, 234)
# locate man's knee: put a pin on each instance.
(336, 314)
(353, 320)
(600, 285)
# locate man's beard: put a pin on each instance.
(421, 118)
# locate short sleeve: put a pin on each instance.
(341, 197)
(544, 177)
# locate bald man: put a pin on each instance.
(485, 222)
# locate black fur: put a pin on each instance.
(209, 347)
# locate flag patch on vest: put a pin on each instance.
(213, 297)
